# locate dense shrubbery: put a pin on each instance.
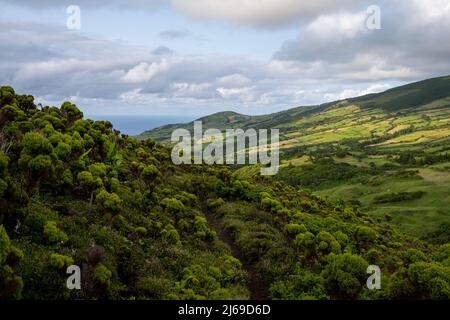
(75, 191)
(397, 197)
(316, 249)
(323, 172)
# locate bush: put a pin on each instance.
(35, 144)
(202, 230)
(4, 160)
(345, 275)
(365, 236)
(171, 235)
(214, 204)
(108, 201)
(103, 274)
(431, 280)
(173, 205)
(40, 165)
(53, 234)
(398, 197)
(150, 173)
(11, 285)
(60, 261)
(63, 150)
(294, 229)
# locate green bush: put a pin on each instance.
(110, 202)
(102, 274)
(345, 275)
(60, 261)
(53, 234)
(11, 284)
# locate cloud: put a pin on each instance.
(144, 71)
(45, 4)
(351, 93)
(233, 80)
(162, 51)
(334, 56)
(174, 34)
(258, 13)
(408, 46)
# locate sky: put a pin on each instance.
(196, 57)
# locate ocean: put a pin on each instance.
(134, 125)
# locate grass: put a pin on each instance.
(417, 217)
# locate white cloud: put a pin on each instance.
(351, 93)
(192, 90)
(234, 80)
(259, 13)
(245, 94)
(42, 4)
(334, 27)
(144, 71)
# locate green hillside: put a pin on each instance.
(76, 192)
(401, 99)
(391, 142)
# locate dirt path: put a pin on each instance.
(257, 286)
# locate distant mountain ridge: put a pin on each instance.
(397, 99)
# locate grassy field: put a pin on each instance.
(418, 217)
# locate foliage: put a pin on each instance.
(76, 191)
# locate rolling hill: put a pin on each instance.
(378, 145)
(404, 99)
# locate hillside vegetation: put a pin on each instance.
(362, 149)
(75, 191)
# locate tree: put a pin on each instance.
(53, 234)
(88, 183)
(35, 144)
(150, 174)
(431, 280)
(71, 112)
(7, 95)
(10, 284)
(345, 275)
(110, 202)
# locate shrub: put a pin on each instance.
(365, 236)
(171, 235)
(102, 274)
(63, 150)
(35, 144)
(53, 234)
(60, 261)
(4, 160)
(214, 204)
(11, 285)
(202, 230)
(109, 201)
(40, 165)
(150, 173)
(413, 256)
(345, 275)
(173, 205)
(294, 229)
